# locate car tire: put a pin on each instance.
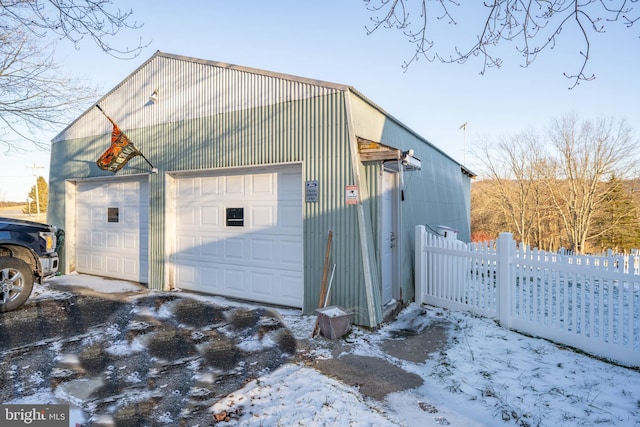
(16, 283)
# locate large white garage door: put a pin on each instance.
(240, 235)
(112, 228)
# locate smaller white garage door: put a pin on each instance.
(240, 235)
(112, 228)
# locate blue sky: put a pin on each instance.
(327, 41)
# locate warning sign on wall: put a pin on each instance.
(351, 194)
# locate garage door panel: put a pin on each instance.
(262, 183)
(83, 214)
(234, 185)
(210, 216)
(291, 254)
(262, 284)
(97, 240)
(290, 286)
(97, 263)
(292, 226)
(210, 188)
(118, 245)
(82, 262)
(130, 266)
(114, 192)
(234, 280)
(211, 279)
(96, 191)
(262, 251)
(187, 188)
(186, 275)
(130, 216)
(234, 249)
(98, 215)
(114, 265)
(249, 261)
(211, 248)
(289, 187)
(262, 217)
(186, 245)
(83, 238)
(112, 240)
(130, 242)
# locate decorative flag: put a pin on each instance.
(120, 151)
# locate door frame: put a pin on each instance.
(70, 214)
(171, 199)
(390, 179)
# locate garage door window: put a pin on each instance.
(235, 217)
(113, 215)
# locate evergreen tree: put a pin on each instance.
(39, 199)
(616, 222)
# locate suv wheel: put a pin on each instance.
(16, 283)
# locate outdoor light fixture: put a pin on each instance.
(409, 162)
(154, 96)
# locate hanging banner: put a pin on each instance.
(120, 152)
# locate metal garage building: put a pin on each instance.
(254, 168)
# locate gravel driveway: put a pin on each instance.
(158, 359)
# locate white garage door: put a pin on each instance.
(112, 228)
(240, 235)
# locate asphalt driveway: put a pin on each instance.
(155, 358)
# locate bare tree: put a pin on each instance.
(589, 152)
(533, 26)
(514, 164)
(72, 20)
(34, 94)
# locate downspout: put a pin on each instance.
(364, 191)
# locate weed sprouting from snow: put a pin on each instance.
(454, 387)
(327, 402)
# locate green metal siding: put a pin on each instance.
(212, 115)
(438, 194)
(311, 131)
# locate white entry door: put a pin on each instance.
(112, 228)
(389, 234)
(239, 234)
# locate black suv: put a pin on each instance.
(27, 253)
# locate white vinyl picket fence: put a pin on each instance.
(591, 303)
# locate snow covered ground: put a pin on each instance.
(488, 376)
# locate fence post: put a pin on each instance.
(420, 265)
(505, 252)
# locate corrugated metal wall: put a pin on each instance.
(213, 117)
(438, 194)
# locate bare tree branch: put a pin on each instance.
(534, 26)
(72, 20)
(34, 95)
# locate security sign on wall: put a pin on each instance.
(351, 194)
(311, 191)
